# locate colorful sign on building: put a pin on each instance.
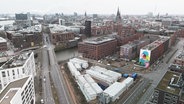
(144, 58)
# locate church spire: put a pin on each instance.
(118, 16)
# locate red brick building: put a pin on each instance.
(124, 40)
(180, 33)
(26, 40)
(97, 48)
(62, 37)
(101, 30)
(3, 44)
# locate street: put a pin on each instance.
(47, 92)
(159, 72)
(56, 75)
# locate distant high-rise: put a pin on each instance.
(118, 16)
(23, 20)
(88, 28)
(85, 14)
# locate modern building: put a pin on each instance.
(16, 68)
(97, 48)
(169, 90)
(88, 28)
(3, 44)
(21, 91)
(151, 52)
(131, 50)
(23, 20)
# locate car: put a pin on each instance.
(44, 46)
(42, 102)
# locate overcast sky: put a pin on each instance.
(93, 6)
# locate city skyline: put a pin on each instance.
(92, 6)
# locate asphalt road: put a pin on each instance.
(47, 92)
(56, 75)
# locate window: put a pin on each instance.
(8, 73)
(17, 71)
(13, 72)
(3, 74)
(23, 71)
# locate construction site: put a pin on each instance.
(91, 82)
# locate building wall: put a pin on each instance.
(26, 40)
(165, 98)
(180, 33)
(156, 52)
(132, 52)
(124, 40)
(101, 30)
(3, 46)
(12, 74)
(28, 92)
(88, 28)
(128, 52)
(58, 38)
(159, 51)
(179, 61)
(97, 51)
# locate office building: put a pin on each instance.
(20, 91)
(23, 20)
(88, 28)
(16, 68)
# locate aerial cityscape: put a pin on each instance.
(91, 52)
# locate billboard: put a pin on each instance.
(144, 57)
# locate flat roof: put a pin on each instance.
(16, 84)
(16, 61)
(2, 40)
(164, 83)
(98, 40)
(9, 96)
(156, 43)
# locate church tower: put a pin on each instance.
(118, 17)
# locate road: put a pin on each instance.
(47, 91)
(56, 75)
(159, 72)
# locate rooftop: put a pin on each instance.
(15, 84)
(10, 94)
(134, 43)
(164, 84)
(2, 40)
(16, 61)
(129, 45)
(156, 43)
(98, 40)
(32, 29)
